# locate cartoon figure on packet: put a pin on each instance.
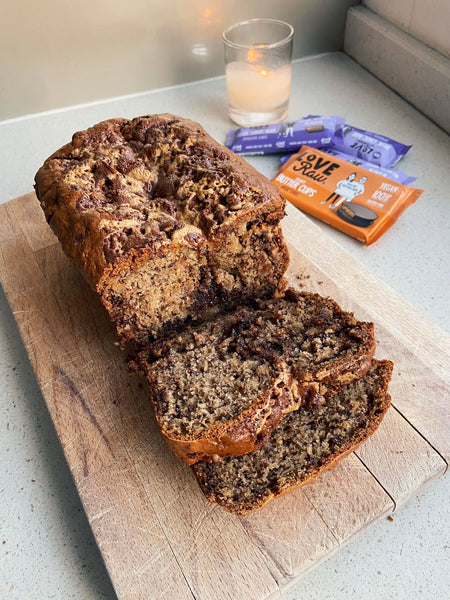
(346, 191)
(287, 129)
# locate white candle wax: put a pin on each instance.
(253, 88)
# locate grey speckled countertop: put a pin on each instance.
(47, 549)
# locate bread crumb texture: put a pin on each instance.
(305, 443)
(270, 357)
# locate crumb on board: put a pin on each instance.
(301, 277)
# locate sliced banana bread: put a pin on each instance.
(220, 388)
(168, 224)
(305, 443)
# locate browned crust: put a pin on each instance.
(384, 368)
(58, 200)
(80, 233)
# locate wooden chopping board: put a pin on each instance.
(158, 535)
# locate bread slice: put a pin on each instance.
(307, 442)
(166, 223)
(219, 389)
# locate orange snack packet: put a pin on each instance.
(354, 200)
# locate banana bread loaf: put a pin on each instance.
(305, 443)
(220, 388)
(168, 224)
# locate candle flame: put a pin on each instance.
(263, 72)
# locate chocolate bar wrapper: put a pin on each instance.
(281, 137)
(357, 201)
(393, 174)
(371, 147)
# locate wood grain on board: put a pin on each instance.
(158, 535)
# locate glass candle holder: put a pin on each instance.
(258, 67)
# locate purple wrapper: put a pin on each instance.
(393, 174)
(317, 132)
(371, 147)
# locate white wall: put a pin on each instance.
(415, 70)
(427, 20)
(57, 53)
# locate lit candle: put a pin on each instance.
(258, 55)
(253, 88)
